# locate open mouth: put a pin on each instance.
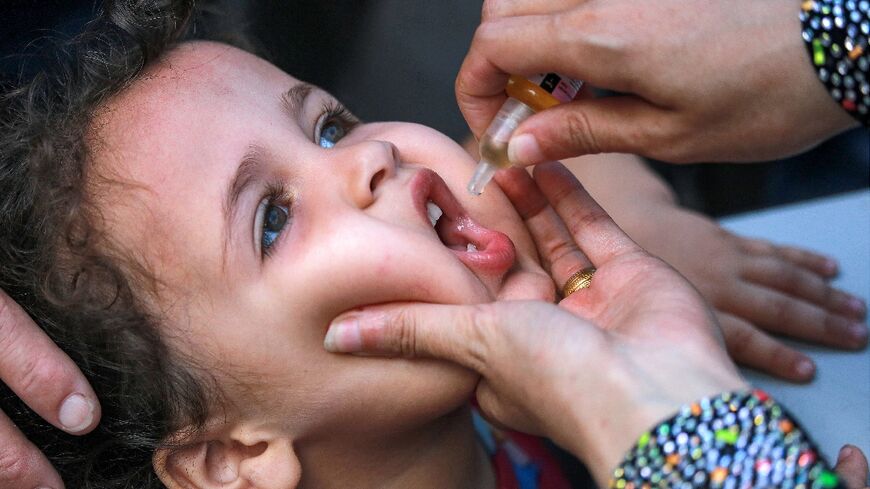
(481, 249)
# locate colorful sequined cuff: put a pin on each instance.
(836, 33)
(734, 440)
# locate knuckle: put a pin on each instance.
(780, 354)
(581, 220)
(758, 246)
(820, 291)
(738, 340)
(555, 251)
(791, 278)
(484, 320)
(404, 327)
(8, 325)
(782, 310)
(36, 373)
(16, 464)
(833, 327)
(492, 9)
(485, 33)
(580, 133)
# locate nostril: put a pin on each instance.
(376, 179)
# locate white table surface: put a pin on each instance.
(835, 407)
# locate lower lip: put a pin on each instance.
(495, 253)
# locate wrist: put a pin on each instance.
(836, 42)
(606, 426)
(734, 439)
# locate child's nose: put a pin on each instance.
(368, 164)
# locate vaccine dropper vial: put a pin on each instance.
(525, 97)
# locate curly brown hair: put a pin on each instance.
(56, 263)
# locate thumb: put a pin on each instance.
(470, 335)
(620, 124)
(416, 330)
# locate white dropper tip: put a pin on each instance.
(482, 175)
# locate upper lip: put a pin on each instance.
(492, 252)
(428, 186)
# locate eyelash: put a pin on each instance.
(278, 195)
(332, 111)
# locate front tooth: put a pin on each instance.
(434, 211)
(470, 248)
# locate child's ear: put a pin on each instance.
(236, 459)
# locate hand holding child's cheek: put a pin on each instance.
(757, 288)
(624, 338)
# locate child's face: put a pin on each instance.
(260, 236)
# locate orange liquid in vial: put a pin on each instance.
(494, 152)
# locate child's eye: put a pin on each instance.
(335, 123)
(272, 218)
(330, 134)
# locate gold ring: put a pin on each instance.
(580, 280)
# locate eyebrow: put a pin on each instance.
(292, 101)
(245, 175)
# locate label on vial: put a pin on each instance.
(560, 87)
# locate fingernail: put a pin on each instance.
(524, 149)
(804, 368)
(845, 453)
(858, 332)
(76, 413)
(343, 336)
(856, 305)
(831, 266)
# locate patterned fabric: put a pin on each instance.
(734, 440)
(520, 461)
(836, 33)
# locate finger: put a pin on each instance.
(479, 89)
(494, 9)
(470, 335)
(783, 275)
(558, 252)
(753, 348)
(820, 264)
(545, 43)
(593, 230)
(21, 464)
(852, 467)
(623, 124)
(417, 330)
(814, 262)
(495, 53)
(782, 314)
(42, 375)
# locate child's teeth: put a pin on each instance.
(434, 211)
(470, 248)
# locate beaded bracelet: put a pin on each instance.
(734, 440)
(836, 34)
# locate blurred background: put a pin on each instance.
(397, 59)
